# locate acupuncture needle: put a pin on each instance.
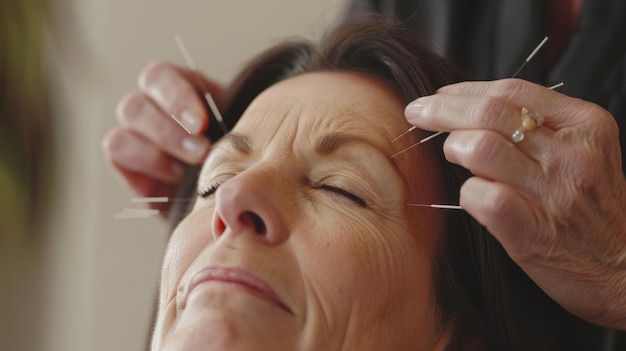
(142, 213)
(180, 124)
(558, 85)
(432, 136)
(530, 57)
(136, 213)
(447, 207)
(451, 207)
(218, 116)
(207, 96)
(159, 199)
(139, 213)
(458, 207)
(148, 212)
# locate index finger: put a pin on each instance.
(451, 112)
(562, 110)
(174, 92)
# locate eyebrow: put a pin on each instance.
(325, 145)
(239, 142)
(329, 143)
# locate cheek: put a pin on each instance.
(188, 240)
(361, 259)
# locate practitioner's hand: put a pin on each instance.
(148, 148)
(556, 200)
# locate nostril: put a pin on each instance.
(252, 218)
(220, 226)
(259, 226)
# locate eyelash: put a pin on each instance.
(210, 190)
(330, 188)
(342, 192)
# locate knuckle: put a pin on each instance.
(130, 107)
(166, 136)
(485, 151)
(491, 110)
(162, 137)
(496, 202)
(507, 88)
(183, 97)
(175, 90)
(153, 72)
(605, 123)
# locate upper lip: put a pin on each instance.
(238, 276)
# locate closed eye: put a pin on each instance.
(345, 193)
(210, 190)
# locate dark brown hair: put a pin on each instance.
(489, 301)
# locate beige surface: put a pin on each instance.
(102, 273)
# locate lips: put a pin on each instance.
(252, 284)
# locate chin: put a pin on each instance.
(222, 329)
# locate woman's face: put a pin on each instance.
(302, 239)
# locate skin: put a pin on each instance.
(556, 201)
(350, 277)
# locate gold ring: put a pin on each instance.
(530, 120)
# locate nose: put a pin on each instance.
(247, 207)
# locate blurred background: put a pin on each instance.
(71, 276)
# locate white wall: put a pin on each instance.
(101, 272)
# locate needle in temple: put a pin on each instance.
(445, 207)
(458, 207)
(532, 54)
(419, 142)
(201, 83)
(451, 207)
(403, 134)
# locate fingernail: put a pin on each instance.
(191, 121)
(415, 109)
(195, 147)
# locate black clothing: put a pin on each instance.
(490, 39)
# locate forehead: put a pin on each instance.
(317, 103)
(292, 116)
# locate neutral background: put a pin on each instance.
(97, 276)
